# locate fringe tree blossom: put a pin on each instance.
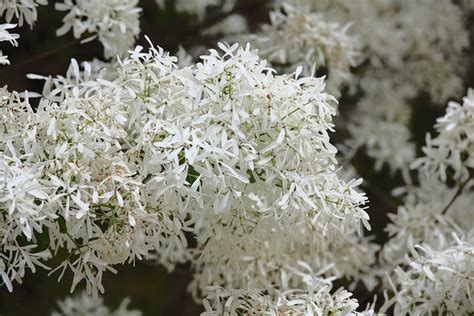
(408, 45)
(434, 272)
(411, 41)
(6, 36)
(233, 24)
(283, 201)
(22, 198)
(424, 218)
(294, 38)
(228, 166)
(437, 281)
(434, 209)
(199, 7)
(381, 125)
(317, 301)
(419, 55)
(86, 305)
(272, 268)
(21, 10)
(95, 197)
(114, 22)
(452, 151)
(120, 166)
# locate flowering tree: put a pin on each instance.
(228, 161)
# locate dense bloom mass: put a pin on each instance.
(398, 48)
(116, 165)
(21, 11)
(451, 153)
(432, 265)
(440, 282)
(318, 301)
(199, 8)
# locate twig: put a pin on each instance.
(363, 301)
(381, 196)
(456, 195)
(44, 54)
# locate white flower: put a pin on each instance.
(316, 301)
(403, 47)
(199, 7)
(437, 281)
(233, 24)
(380, 124)
(6, 36)
(296, 37)
(434, 273)
(114, 22)
(86, 305)
(270, 196)
(450, 153)
(419, 51)
(23, 11)
(424, 219)
(130, 159)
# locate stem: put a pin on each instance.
(456, 195)
(45, 54)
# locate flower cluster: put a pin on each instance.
(228, 165)
(409, 40)
(381, 125)
(439, 282)
(20, 12)
(403, 47)
(199, 8)
(295, 37)
(114, 22)
(23, 11)
(74, 179)
(424, 218)
(7, 36)
(86, 305)
(419, 55)
(433, 266)
(451, 152)
(317, 301)
(283, 202)
(116, 165)
(441, 203)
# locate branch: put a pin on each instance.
(45, 54)
(456, 195)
